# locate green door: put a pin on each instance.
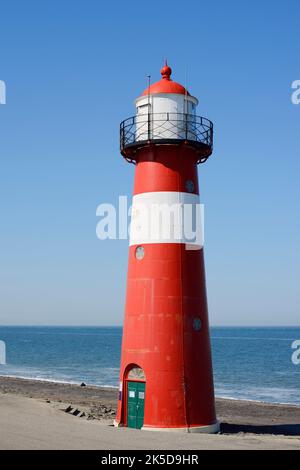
(135, 404)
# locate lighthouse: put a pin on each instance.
(166, 380)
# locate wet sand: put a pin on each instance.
(33, 416)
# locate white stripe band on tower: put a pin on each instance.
(167, 217)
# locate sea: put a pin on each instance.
(249, 363)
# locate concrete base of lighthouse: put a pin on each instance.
(208, 429)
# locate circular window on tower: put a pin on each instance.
(197, 324)
(189, 186)
(139, 252)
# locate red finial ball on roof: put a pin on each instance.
(166, 71)
(165, 84)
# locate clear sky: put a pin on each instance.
(72, 70)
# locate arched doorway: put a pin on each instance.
(135, 386)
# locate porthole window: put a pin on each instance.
(139, 252)
(189, 186)
(197, 324)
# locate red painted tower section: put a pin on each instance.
(166, 341)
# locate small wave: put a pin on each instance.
(70, 382)
(227, 397)
(262, 338)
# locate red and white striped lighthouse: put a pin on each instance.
(166, 378)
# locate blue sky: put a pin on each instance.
(72, 71)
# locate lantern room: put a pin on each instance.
(166, 114)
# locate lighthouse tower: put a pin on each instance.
(166, 378)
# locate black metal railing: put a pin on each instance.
(143, 129)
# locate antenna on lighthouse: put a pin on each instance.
(149, 83)
(186, 87)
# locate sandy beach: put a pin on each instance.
(49, 415)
